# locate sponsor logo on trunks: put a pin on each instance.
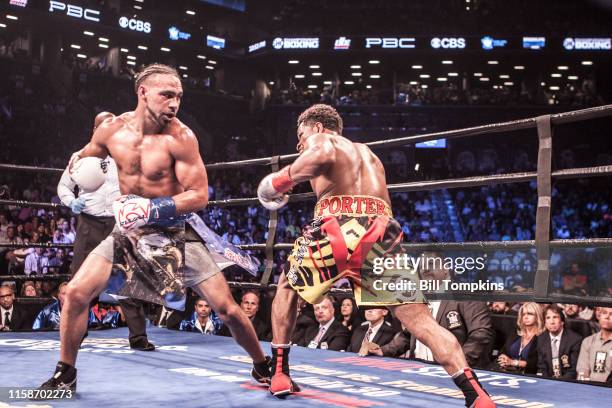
(345, 204)
(132, 212)
(244, 261)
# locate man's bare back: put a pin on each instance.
(356, 170)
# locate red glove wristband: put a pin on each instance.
(281, 181)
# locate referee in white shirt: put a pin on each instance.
(95, 222)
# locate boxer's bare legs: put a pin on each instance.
(217, 293)
(88, 282)
(284, 312)
(417, 319)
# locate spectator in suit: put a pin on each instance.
(329, 333)
(398, 347)
(203, 319)
(168, 318)
(558, 346)
(470, 322)
(11, 317)
(305, 320)
(595, 358)
(349, 314)
(49, 317)
(250, 306)
(374, 330)
(520, 352)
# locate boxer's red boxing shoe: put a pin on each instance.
(281, 383)
(475, 395)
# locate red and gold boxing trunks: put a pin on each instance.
(348, 238)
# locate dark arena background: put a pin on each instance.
(492, 120)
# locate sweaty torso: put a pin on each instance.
(145, 164)
(356, 171)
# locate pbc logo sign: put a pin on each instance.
(390, 42)
(74, 11)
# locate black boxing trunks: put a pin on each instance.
(347, 239)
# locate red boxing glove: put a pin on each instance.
(281, 180)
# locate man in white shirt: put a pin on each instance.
(36, 263)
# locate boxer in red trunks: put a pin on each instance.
(352, 224)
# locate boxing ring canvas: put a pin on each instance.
(192, 370)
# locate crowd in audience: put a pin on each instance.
(580, 94)
(563, 341)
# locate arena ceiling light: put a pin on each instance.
(294, 61)
(453, 74)
(477, 74)
(562, 67)
(316, 74)
(374, 62)
(587, 62)
(271, 83)
(190, 12)
(327, 82)
(165, 49)
(484, 79)
(413, 83)
(508, 83)
(137, 7)
(184, 68)
(2, 25)
(314, 67)
(142, 47)
(417, 67)
(210, 67)
(492, 62)
(299, 76)
(424, 76)
(81, 56)
(201, 57)
(103, 39)
(10, 17)
(75, 46)
(212, 62)
(349, 83)
(572, 77)
(424, 86)
(102, 45)
(519, 67)
(89, 33)
(441, 79)
(504, 76)
(556, 75)
(369, 86)
(447, 62)
(312, 86)
(554, 88)
(542, 83)
(356, 74)
(375, 76)
(131, 57)
(131, 63)
(355, 66)
(125, 50)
